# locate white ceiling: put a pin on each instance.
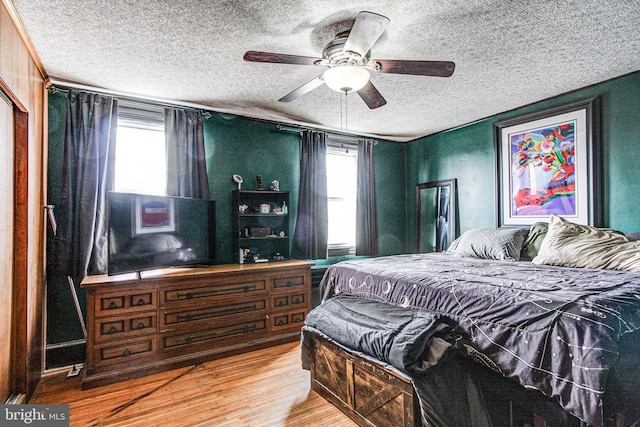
(507, 54)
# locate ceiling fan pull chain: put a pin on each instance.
(341, 117)
(346, 112)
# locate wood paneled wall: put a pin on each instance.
(22, 81)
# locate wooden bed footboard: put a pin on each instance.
(373, 395)
(367, 392)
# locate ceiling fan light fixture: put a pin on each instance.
(346, 78)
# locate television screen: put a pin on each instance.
(147, 232)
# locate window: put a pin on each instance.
(140, 157)
(342, 184)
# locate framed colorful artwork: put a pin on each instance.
(546, 165)
(154, 215)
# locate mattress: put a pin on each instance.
(561, 331)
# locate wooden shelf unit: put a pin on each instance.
(177, 317)
(273, 247)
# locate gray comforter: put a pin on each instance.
(558, 330)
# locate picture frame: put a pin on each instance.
(546, 165)
(153, 215)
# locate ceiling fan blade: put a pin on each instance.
(416, 68)
(365, 31)
(302, 90)
(371, 96)
(279, 58)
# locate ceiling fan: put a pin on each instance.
(348, 57)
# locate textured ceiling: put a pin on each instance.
(507, 54)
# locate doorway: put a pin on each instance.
(7, 154)
(14, 196)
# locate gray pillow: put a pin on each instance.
(501, 244)
(574, 245)
(534, 239)
(633, 235)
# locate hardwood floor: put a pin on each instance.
(262, 388)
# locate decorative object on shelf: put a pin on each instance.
(243, 208)
(275, 185)
(260, 231)
(258, 182)
(263, 225)
(285, 208)
(546, 165)
(238, 180)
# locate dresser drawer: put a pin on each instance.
(281, 283)
(241, 330)
(176, 317)
(204, 293)
(290, 320)
(124, 302)
(288, 301)
(124, 351)
(118, 327)
(212, 314)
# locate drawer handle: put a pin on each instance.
(141, 325)
(281, 322)
(208, 292)
(289, 284)
(112, 304)
(140, 302)
(280, 303)
(113, 330)
(296, 300)
(126, 352)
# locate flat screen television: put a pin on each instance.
(147, 232)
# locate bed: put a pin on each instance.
(554, 309)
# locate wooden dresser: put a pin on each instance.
(176, 317)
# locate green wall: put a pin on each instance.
(233, 145)
(237, 145)
(467, 153)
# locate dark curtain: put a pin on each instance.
(366, 211)
(186, 161)
(310, 236)
(87, 176)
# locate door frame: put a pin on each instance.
(19, 351)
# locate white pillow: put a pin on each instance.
(574, 245)
(488, 243)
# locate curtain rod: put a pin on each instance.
(345, 138)
(55, 86)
